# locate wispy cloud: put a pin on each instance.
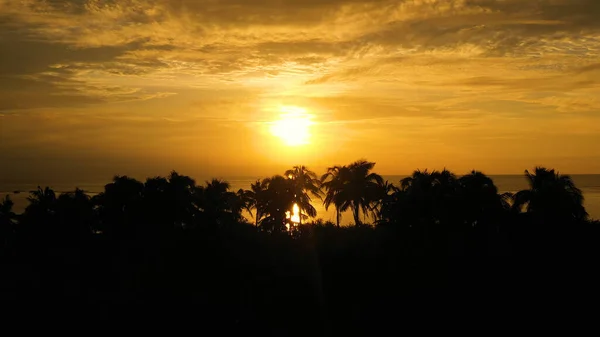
(437, 65)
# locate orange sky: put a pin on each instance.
(92, 88)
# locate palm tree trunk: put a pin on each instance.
(337, 216)
(355, 212)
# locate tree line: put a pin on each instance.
(176, 202)
(169, 242)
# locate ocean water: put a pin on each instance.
(589, 184)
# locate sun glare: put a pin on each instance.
(293, 126)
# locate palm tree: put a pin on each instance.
(123, 194)
(480, 200)
(39, 217)
(391, 205)
(446, 196)
(333, 182)
(169, 201)
(157, 203)
(357, 189)
(430, 197)
(256, 198)
(211, 198)
(6, 206)
(386, 193)
(274, 201)
(551, 197)
(6, 220)
(181, 191)
(246, 200)
(305, 184)
(419, 196)
(75, 212)
(217, 203)
(275, 196)
(119, 206)
(42, 203)
(44, 198)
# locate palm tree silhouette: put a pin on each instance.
(157, 203)
(418, 191)
(181, 191)
(169, 201)
(479, 198)
(358, 189)
(245, 200)
(551, 197)
(256, 198)
(42, 203)
(305, 184)
(430, 197)
(446, 196)
(274, 197)
(75, 212)
(6, 206)
(391, 205)
(386, 193)
(39, 217)
(212, 199)
(274, 201)
(42, 198)
(7, 217)
(119, 206)
(333, 183)
(218, 204)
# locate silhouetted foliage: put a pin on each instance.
(169, 243)
(274, 201)
(551, 198)
(120, 207)
(305, 184)
(217, 204)
(7, 225)
(353, 187)
(333, 183)
(39, 218)
(75, 215)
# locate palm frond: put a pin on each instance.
(521, 199)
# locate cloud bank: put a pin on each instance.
(485, 69)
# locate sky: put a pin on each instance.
(93, 88)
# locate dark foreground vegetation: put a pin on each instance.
(437, 246)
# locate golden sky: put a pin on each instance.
(91, 88)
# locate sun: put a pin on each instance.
(293, 126)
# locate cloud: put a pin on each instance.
(453, 62)
(589, 68)
(191, 81)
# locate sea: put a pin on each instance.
(589, 184)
